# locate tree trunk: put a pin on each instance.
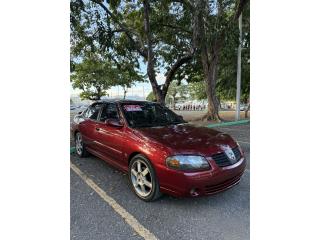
(248, 109)
(161, 98)
(209, 58)
(99, 93)
(124, 93)
(213, 103)
(150, 56)
(147, 51)
(246, 112)
(210, 69)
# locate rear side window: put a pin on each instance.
(93, 111)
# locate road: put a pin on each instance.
(224, 216)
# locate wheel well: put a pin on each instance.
(132, 156)
(74, 134)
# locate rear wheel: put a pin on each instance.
(80, 148)
(143, 179)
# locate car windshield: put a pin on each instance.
(145, 114)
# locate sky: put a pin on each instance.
(139, 89)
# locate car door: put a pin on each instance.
(110, 138)
(87, 126)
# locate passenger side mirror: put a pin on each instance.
(114, 123)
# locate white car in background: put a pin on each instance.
(243, 107)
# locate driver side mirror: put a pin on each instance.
(114, 123)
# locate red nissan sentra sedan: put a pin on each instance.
(159, 150)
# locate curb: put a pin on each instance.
(228, 123)
(72, 150)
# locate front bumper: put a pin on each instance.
(183, 184)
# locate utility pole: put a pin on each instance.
(239, 71)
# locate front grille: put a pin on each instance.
(211, 189)
(222, 159)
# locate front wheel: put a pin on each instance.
(80, 148)
(143, 179)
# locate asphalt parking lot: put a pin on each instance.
(224, 216)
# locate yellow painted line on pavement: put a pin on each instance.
(131, 220)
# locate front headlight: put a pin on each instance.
(187, 162)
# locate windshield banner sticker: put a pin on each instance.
(132, 108)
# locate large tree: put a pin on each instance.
(97, 49)
(212, 23)
(227, 66)
(136, 29)
(94, 75)
(227, 71)
(166, 35)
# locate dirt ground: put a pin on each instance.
(195, 116)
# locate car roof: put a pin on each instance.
(121, 101)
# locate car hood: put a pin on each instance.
(188, 139)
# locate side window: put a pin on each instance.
(93, 111)
(109, 111)
(85, 113)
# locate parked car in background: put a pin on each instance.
(160, 151)
(243, 107)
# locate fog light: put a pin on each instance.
(194, 192)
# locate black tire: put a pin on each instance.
(155, 190)
(80, 152)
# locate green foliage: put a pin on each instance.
(116, 29)
(95, 33)
(197, 90)
(101, 56)
(177, 92)
(227, 72)
(151, 97)
(171, 26)
(94, 75)
(227, 67)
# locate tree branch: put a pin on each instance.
(124, 28)
(240, 8)
(187, 3)
(118, 30)
(170, 73)
(150, 59)
(176, 27)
